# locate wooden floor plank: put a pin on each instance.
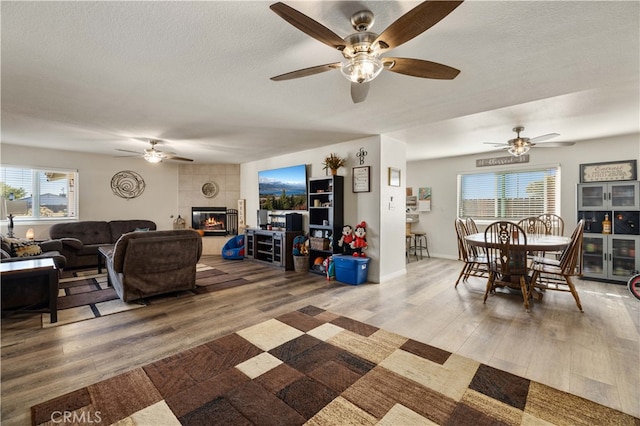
(592, 354)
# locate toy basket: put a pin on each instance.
(319, 243)
(301, 263)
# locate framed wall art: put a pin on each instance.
(394, 176)
(362, 179)
(609, 171)
(424, 199)
(127, 184)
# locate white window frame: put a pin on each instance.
(504, 171)
(71, 191)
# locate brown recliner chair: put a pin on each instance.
(144, 264)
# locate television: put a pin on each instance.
(284, 188)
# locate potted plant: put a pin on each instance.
(333, 162)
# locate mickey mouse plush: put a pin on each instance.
(346, 239)
(359, 242)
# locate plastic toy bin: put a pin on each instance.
(350, 269)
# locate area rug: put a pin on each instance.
(85, 294)
(315, 367)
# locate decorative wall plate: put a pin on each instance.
(127, 184)
(210, 189)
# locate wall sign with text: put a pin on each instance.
(361, 179)
(610, 171)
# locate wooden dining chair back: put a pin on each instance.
(559, 277)
(472, 227)
(461, 231)
(506, 245)
(475, 265)
(553, 223)
(555, 226)
(533, 226)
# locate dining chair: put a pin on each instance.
(554, 223)
(550, 276)
(472, 227)
(475, 265)
(555, 226)
(533, 226)
(506, 245)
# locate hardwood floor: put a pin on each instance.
(595, 354)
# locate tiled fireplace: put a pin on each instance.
(215, 221)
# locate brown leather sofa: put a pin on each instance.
(80, 240)
(145, 264)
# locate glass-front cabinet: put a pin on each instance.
(610, 257)
(609, 195)
(611, 246)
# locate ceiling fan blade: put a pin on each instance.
(544, 137)
(175, 157)
(359, 92)
(497, 144)
(415, 22)
(126, 150)
(308, 25)
(420, 68)
(305, 72)
(553, 144)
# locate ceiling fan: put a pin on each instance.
(520, 145)
(362, 49)
(153, 155)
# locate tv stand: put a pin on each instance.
(273, 247)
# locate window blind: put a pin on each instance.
(46, 193)
(509, 195)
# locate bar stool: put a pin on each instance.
(420, 243)
(409, 238)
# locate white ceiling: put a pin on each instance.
(97, 76)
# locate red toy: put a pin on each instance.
(360, 242)
(346, 239)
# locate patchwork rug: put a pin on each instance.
(315, 367)
(85, 294)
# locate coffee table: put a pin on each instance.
(30, 286)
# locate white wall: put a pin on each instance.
(97, 201)
(441, 176)
(363, 206)
(392, 210)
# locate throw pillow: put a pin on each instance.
(23, 248)
(141, 230)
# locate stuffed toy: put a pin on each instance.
(359, 242)
(300, 247)
(346, 239)
(329, 267)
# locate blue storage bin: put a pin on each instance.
(350, 269)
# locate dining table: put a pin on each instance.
(536, 243)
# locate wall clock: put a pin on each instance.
(210, 189)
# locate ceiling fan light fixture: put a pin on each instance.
(361, 68)
(519, 148)
(153, 156)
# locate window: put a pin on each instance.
(52, 193)
(510, 195)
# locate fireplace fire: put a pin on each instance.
(212, 220)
